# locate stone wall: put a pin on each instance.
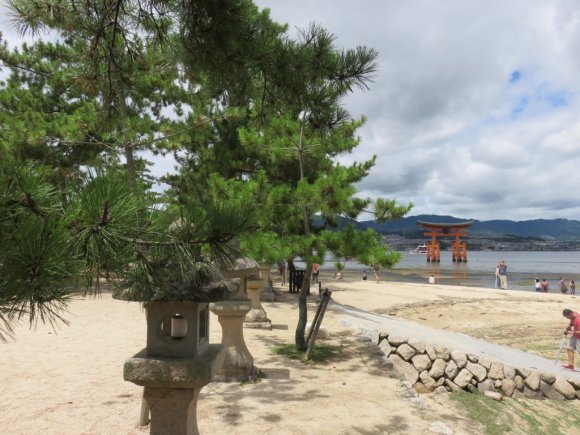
(437, 369)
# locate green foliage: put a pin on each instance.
(389, 209)
(103, 91)
(267, 247)
(258, 119)
(57, 242)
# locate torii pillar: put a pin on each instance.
(458, 247)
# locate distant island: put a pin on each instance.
(493, 235)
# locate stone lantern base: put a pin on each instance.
(172, 387)
(267, 293)
(256, 317)
(238, 364)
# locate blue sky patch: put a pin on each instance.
(558, 99)
(516, 76)
(520, 107)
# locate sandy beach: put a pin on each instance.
(69, 381)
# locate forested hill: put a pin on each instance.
(558, 229)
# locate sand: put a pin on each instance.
(70, 381)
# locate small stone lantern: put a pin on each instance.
(178, 360)
(238, 365)
(267, 291)
(257, 317)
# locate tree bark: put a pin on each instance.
(300, 335)
(128, 146)
(303, 295)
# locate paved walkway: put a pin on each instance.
(360, 319)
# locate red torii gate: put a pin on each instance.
(458, 248)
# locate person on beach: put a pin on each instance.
(574, 342)
(338, 275)
(431, 279)
(563, 288)
(572, 287)
(364, 275)
(315, 273)
(502, 271)
(538, 286)
(496, 285)
(545, 286)
(377, 270)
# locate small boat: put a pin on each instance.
(420, 249)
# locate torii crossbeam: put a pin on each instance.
(458, 247)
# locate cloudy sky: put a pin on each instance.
(474, 111)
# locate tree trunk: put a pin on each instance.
(377, 274)
(300, 336)
(131, 173)
(128, 146)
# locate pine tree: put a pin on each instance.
(293, 130)
(60, 242)
(120, 59)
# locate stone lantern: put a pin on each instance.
(256, 318)
(179, 359)
(238, 364)
(267, 293)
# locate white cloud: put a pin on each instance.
(474, 108)
(565, 141)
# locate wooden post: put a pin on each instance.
(315, 319)
(316, 326)
(434, 245)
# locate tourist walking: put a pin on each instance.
(538, 286)
(502, 271)
(563, 288)
(572, 287)
(315, 272)
(545, 286)
(574, 342)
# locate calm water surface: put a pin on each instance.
(523, 268)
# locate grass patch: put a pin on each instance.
(519, 416)
(566, 413)
(547, 350)
(320, 353)
(487, 412)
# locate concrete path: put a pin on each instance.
(360, 319)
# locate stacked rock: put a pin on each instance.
(436, 369)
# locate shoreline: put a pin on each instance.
(479, 271)
(520, 282)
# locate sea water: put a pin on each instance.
(479, 270)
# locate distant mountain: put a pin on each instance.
(557, 229)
